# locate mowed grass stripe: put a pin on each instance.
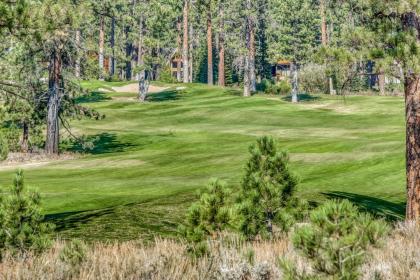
(150, 159)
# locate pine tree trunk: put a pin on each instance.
(412, 105)
(412, 100)
(77, 63)
(112, 70)
(270, 218)
(143, 82)
(209, 49)
(324, 40)
(295, 86)
(381, 82)
(190, 55)
(101, 47)
(221, 68)
(143, 86)
(247, 79)
(128, 53)
(252, 72)
(179, 42)
(140, 60)
(185, 53)
(249, 67)
(24, 143)
(324, 35)
(53, 107)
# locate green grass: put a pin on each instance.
(150, 159)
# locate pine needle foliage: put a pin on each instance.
(267, 188)
(337, 237)
(210, 215)
(22, 223)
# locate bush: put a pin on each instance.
(281, 88)
(284, 88)
(264, 85)
(313, 79)
(91, 68)
(337, 237)
(22, 227)
(74, 253)
(210, 215)
(112, 78)
(267, 189)
(4, 148)
(166, 76)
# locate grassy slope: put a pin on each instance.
(150, 159)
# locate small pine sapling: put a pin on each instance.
(267, 189)
(336, 239)
(22, 224)
(210, 215)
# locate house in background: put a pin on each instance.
(174, 66)
(281, 70)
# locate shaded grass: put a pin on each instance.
(150, 159)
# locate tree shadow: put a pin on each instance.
(73, 219)
(163, 96)
(70, 220)
(234, 92)
(303, 97)
(101, 144)
(94, 96)
(378, 207)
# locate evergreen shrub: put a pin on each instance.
(336, 239)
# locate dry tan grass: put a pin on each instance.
(399, 258)
(33, 160)
(165, 259)
(229, 259)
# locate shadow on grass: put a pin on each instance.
(93, 97)
(69, 220)
(164, 96)
(303, 97)
(235, 92)
(378, 207)
(101, 144)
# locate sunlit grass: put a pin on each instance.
(150, 159)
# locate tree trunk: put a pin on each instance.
(143, 81)
(209, 49)
(24, 143)
(143, 86)
(324, 40)
(101, 47)
(53, 107)
(412, 101)
(190, 54)
(270, 218)
(178, 56)
(185, 52)
(381, 82)
(252, 73)
(128, 53)
(295, 86)
(112, 64)
(77, 63)
(221, 68)
(249, 67)
(324, 34)
(247, 79)
(140, 51)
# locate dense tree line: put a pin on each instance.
(48, 46)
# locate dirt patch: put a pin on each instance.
(32, 160)
(134, 88)
(100, 163)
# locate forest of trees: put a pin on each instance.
(332, 47)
